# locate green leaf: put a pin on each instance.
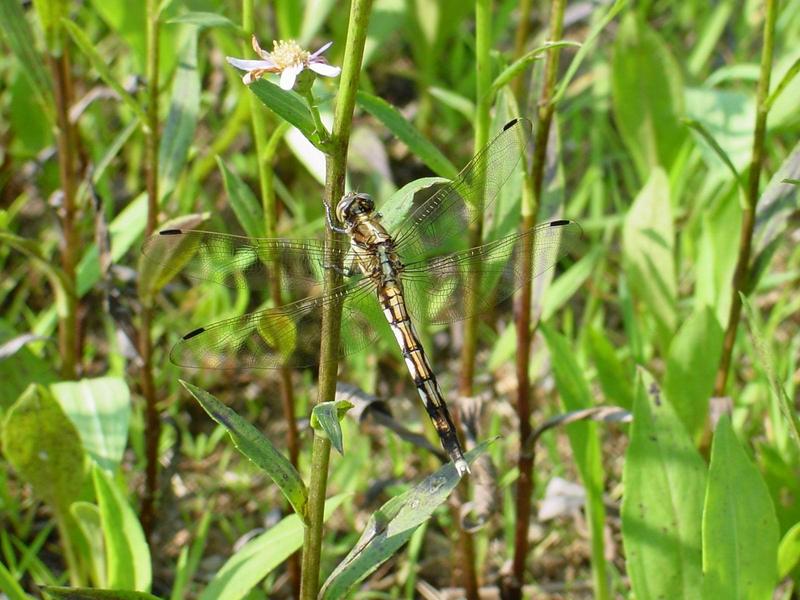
(287, 105)
(519, 65)
(20, 369)
(207, 20)
(256, 559)
(585, 443)
(100, 409)
(570, 281)
(648, 241)
(647, 96)
(727, 117)
(157, 270)
(42, 445)
(9, 583)
(783, 414)
(181, 122)
(50, 13)
(614, 377)
(407, 133)
(457, 102)
(586, 47)
(315, 14)
(87, 516)
(328, 416)
(740, 531)
(662, 508)
(707, 136)
(692, 367)
(789, 551)
(65, 593)
(245, 206)
(100, 65)
(253, 445)
(21, 41)
(127, 553)
(392, 525)
(399, 205)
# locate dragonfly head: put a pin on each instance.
(352, 206)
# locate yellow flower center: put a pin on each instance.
(285, 54)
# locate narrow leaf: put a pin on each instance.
(101, 66)
(287, 105)
(740, 530)
(407, 133)
(253, 445)
(245, 206)
(127, 553)
(647, 95)
(20, 39)
(157, 270)
(648, 240)
(391, 526)
(65, 593)
(662, 507)
(207, 20)
(182, 117)
(692, 366)
(519, 65)
(256, 559)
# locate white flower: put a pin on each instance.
(286, 58)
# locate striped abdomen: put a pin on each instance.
(420, 369)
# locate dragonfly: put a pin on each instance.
(421, 272)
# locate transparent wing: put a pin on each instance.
(436, 288)
(447, 213)
(238, 262)
(287, 335)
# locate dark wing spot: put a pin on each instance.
(510, 124)
(170, 231)
(194, 332)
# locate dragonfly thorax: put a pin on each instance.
(354, 207)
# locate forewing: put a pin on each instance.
(445, 216)
(287, 335)
(437, 288)
(240, 262)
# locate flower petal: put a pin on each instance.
(289, 75)
(321, 50)
(257, 47)
(249, 65)
(324, 69)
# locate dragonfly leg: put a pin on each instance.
(329, 218)
(343, 271)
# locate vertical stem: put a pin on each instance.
(336, 163)
(152, 422)
(483, 42)
(532, 191)
(264, 155)
(742, 272)
(68, 338)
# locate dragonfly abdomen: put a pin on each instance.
(421, 372)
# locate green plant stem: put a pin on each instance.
(68, 337)
(322, 132)
(152, 421)
(336, 162)
(531, 200)
(742, 272)
(483, 42)
(265, 153)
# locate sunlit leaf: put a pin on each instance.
(127, 553)
(100, 409)
(43, 447)
(740, 531)
(391, 526)
(662, 508)
(256, 559)
(254, 446)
